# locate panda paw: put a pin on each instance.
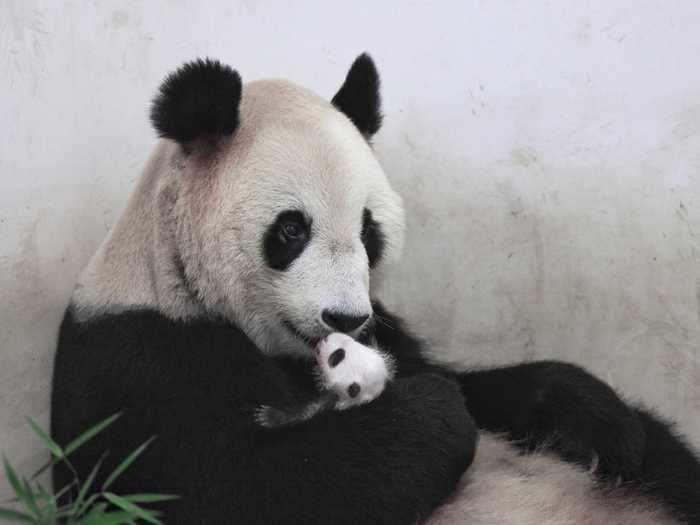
(271, 417)
(262, 416)
(355, 373)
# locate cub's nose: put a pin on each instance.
(340, 322)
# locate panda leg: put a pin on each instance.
(565, 409)
(562, 407)
(670, 471)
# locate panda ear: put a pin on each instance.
(359, 97)
(197, 101)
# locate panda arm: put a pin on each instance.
(541, 404)
(195, 385)
(391, 461)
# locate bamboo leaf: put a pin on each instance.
(49, 507)
(150, 498)
(42, 493)
(87, 504)
(14, 516)
(125, 464)
(89, 434)
(135, 510)
(94, 514)
(31, 500)
(110, 518)
(65, 489)
(86, 485)
(11, 476)
(49, 443)
(42, 469)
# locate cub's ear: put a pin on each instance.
(359, 97)
(197, 101)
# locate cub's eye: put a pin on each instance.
(292, 230)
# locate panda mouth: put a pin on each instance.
(365, 335)
(311, 341)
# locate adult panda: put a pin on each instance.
(251, 236)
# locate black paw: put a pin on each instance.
(583, 420)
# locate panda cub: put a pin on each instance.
(348, 374)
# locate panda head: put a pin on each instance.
(276, 203)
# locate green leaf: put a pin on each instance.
(86, 485)
(42, 493)
(14, 516)
(89, 434)
(49, 507)
(111, 518)
(49, 443)
(65, 489)
(150, 498)
(99, 508)
(135, 510)
(43, 468)
(100, 517)
(86, 505)
(95, 513)
(125, 464)
(11, 476)
(31, 500)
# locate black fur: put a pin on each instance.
(280, 249)
(563, 408)
(359, 97)
(670, 471)
(198, 101)
(336, 357)
(196, 385)
(372, 237)
(354, 389)
(295, 412)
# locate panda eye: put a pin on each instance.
(292, 230)
(286, 238)
(372, 237)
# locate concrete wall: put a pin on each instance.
(548, 152)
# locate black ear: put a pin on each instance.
(198, 101)
(359, 97)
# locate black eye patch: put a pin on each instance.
(285, 239)
(354, 389)
(372, 237)
(336, 357)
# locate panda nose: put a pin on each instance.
(342, 322)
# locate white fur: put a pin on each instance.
(294, 150)
(369, 368)
(503, 487)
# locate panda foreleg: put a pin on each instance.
(670, 471)
(276, 417)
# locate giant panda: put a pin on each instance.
(253, 233)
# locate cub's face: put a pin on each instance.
(280, 222)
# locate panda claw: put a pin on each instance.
(261, 416)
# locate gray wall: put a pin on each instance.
(548, 153)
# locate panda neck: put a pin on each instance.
(136, 265)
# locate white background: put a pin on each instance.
(548, 154)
